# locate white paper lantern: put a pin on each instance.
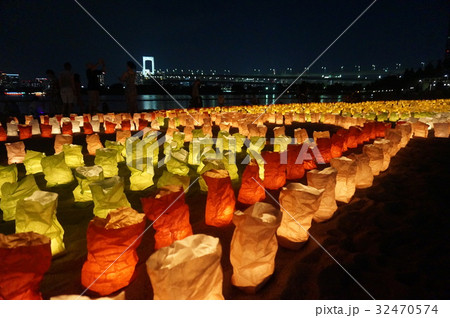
(345, 179)
(324, 180)
(376, 156)
(364, 175)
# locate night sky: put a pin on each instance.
(236, 35)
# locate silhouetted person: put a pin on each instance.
(67, 87)
(93, 86)
(196, 100)
(129, 78)
(53, 92)
(77, 92)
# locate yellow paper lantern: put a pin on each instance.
(73, 155)
(8, 174)
(364, 175)
(32, 161)
(85, 176)
(108, 195)
(56, 170)
(107, 159)
(12, 192)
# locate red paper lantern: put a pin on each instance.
(87, 128)
(46, 131)
(110, 127)
(46, 120)
(111, 249)
(251, 191)
(3, 135)
(337, 146)
(24, 132)
(380, 129)
(274, 170)
(142, 123)
(353, 137)
(86, 118)
(220, 202)
(67, 128)
(24, 259)
(170, 214)
(295, 168)
(371, 129)
(345, 135)
(324, 147)
(126, 125)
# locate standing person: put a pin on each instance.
(53, 92)
(196, 100)
(129, 77)
(93, 87)
(77, 92)
(67, 87)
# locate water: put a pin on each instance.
(116, 103)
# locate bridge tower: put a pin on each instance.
(145, 68)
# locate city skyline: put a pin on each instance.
(220, 36)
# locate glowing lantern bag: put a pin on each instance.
(337, 146)
(301, 135)
(37, 213)
(111, 244)
(169, 179)
(67, 128)
(324, 147)
(274, 170)
(122, 135)
(251, 191)
(170, 215)
(32, 161)
(254, 246)
(294, 168)
(12, 129)
(298, 203)
(353, 137)
(3, 135)
(126, 125)
(107, 159)
(108, 195)
(7, 174)
(87, 128)
(441, 130)
(73, 156)
(24, 259)
(16, 152)
(56, 170)
(177, 164)
(324, 180)
(376, 156)
(220, 201)
(281, 143)
(345, 179)
(141, 179)
(188, 269)
(121, 152)
(13, 192)
(364, 175)
(110, 127)
(25, 132)
(60, 141)
(46, 131)
(85, 176)
(384, 144)
(93, 143)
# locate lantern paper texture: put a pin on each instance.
(364, 175)
(254, 246)
(324, 180)
(85, 176)
(32, 161)
(107, 159)
(56, 170)
(170, 216)
(169, 179)
(108, 195)
(441, 130)
(111, 244)
(141, 179)
(13, 192)
(73, 155)
(298, 203)
(60, 141)
(7, 174)
(385, 145)
(274, 170)
(252, 189)
(16, 152)
(37, 213)
(93, 143)
(345, 179)
(376, 158)
(24, 259)
(189, 269)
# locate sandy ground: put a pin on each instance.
(392, 238)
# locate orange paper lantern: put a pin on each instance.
(337, 146)
(111, 245)
(24, 259)
(110, 127)
(3, 135)
(67, 128)
(251, 191)
(220, 202)
(274, 170)
(126, 125)
(170, 214)
(87, 128)
(46, 131)
(295, 168)
(93, 143)
(142, 124)
(24, 132)
(324, 147)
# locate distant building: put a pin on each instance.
(9, 80)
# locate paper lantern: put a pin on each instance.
(406, 131)
(353, 137)
(274, 170)
(376, 157)
(87, 128)
(142, 124)
(385, 145)
(121, 151)
(321, 134)
(420, 129)
(15, 152)
(93, 143)
(395, 138)
(25, 132)
(60, 141)
(35, 127)
(324, 148)
(32, 161)
(110, 127)
(294, 168)
(364, 175)
(188, 269)
(111, 245)
(107, 159)
(12, 129)
(108, 195)
(345, 179)
(441, 130)
(170, 216)
(56, 128)
(85, 176)
(75, 126)
(281, 143)
(12, 192)
(56, 170)
(220, 201)
(371, 129)
(141, 179)
(324, 180)
(298, 203)
(342, 134)
(95, 125)
(73, 156)
(46, 131)
(7, 174)
(37, 213)
(67, 128)
(279, 131)
(122, 135)
(126, 125)
(3, 135)
(24, 259)
(254, 246)
(251, 191)
(337, 146)
(380, 129)
(177, 164)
